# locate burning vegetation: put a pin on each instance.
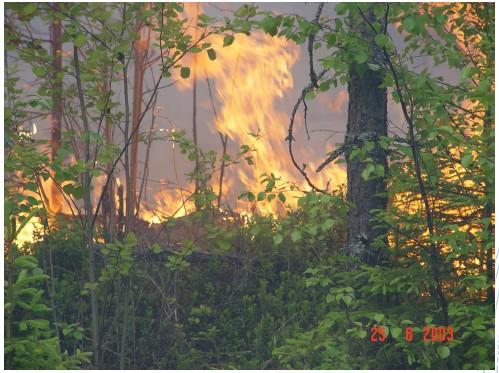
(174, 201)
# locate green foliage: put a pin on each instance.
(30, 342)
(228, 40)
(185, 72)
(119, 258)
(454, 147)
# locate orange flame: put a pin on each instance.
(251, 76)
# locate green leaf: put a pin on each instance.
(396, 332)
(278, 239)
(228, 40)
(212, 54)
(270, 185)
(383, 142)
(467, 160)
(366, 173)
(295, 236)
(381, 40)
(22, 276)
(281, 197)
(328, 223)
(407, 322)
(130, 239)
(80, 40)
(39, 71)
(443, 351)
(477, 323)
(309, 95)
(156, 249)
(39, 323)
(260, 196)
(90, 286)
(224, 245)
(380, 170)
(409, 23)
(341, 8)
(185, 72)
(466, 72)
(361, 57)
(270, 25)
(378, 317)
(204, 19)
(347, 299)
(27, 261)
(95, 172)
(23, 326)
(29, 9)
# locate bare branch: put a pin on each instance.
(290, 137)
(311, 41)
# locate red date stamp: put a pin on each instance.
(380, 333)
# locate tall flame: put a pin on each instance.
(251, 77)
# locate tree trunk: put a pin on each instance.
(488, 212)
(140, 51)
(367, 121)
(110, 211)
(489, 208)
(87, 202)
(198, 186)
(56, 112)
(121, 212)
(125, 329)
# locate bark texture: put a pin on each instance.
(56, 111)
(87, 202)
(198, 183)
(108, 198)
(141, 46)
(367, 121)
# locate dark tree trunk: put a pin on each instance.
(140, 50)
(56, 112)
(198, 173)
(488, 213)
(108, 197)
(367, 121)
(87, 202)
(121, 213)
(489, 208)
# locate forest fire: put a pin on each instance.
(249, 77)
(176, 189)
